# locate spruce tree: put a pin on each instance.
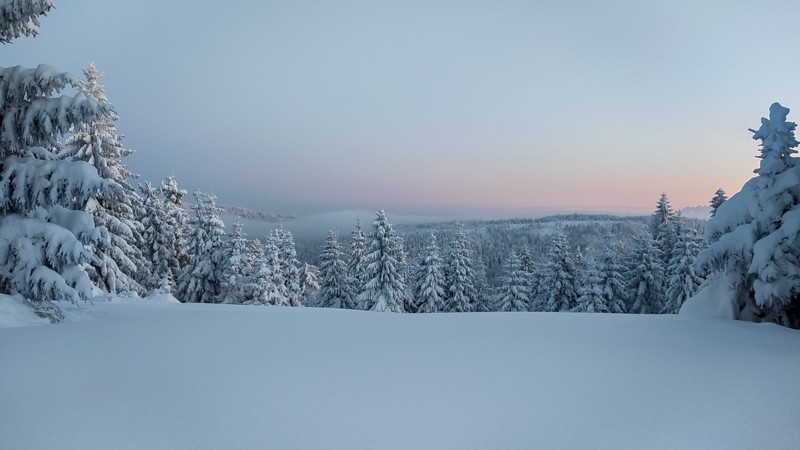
(462, 296)
(719, 198)
(514, 290)
(355, 265)
(646, 278)
(591, 297)
(200, 280)
(334, 286)
(233, 264)
(290, 274)
(612, 275)
(156, 239)
(559, 283)
(265, 284)
(99, 144)
(309, 284)
(683, 279)
(429, 289)
(44, 230)
(662, 225)
(753, 236)
(177, 226)
(382, 286)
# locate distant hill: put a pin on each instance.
(244, 213)
(697, 212)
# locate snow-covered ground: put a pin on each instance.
(158, 375)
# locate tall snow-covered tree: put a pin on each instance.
(612, 275)
(99, 144)
(682, 277)
(155, 239)
(719, 198)
(234, 264)
(265, 285)
(200, 280)
(355, 265)
(514, 291)
(43, 229)
(309, 284)
(559, 284)
(334, 286)
(177, 226)
(429, 292)
(646, 278)
(382, 286)
(662, 226)
(290, 266)
(591, 297)
(462, 296)
(755, 236)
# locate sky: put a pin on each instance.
(435, 106)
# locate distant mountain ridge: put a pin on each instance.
(262, 216)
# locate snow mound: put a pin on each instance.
(15, 311)
(716, 298)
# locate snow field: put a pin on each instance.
(216, 376)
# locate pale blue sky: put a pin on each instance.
(305, 106)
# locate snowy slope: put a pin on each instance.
(172, 376)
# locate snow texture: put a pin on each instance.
(201, 377)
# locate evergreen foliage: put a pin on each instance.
(334, 288)
(462, 296)
(200, 280)
(382, 288)
(515, 290)
(646, 278)
(429, 289)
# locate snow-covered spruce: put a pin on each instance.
(43, 229)
(753, 256)
(382, 286)
(591, 296)
(612, 275)
(462, 296)
(201, 279)
(719, 198)
(355, 263)
(290, 274)
(429, 288)
(98, 143)
(234, 264)
(514, 294)
(334, 286)
(682, 277)
(559, 289)
(646, 278)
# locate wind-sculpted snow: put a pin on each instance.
(222, 376)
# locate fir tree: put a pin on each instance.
(460, 276)
(233, 264)
(591, 297)
(559, 275)
(429, 292)
(200, 280)
(662, 224)
(514, 291)
(646, 279)
(309, 286)
(289, 265)
(43, 229)
(753, 236)
(177, 226)
(99, 144)
(334, 288)
(265, 285)
(612, 275)
(355, 265)
(383, 288)
(683, 278)
(156, 239)
(719, 198)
